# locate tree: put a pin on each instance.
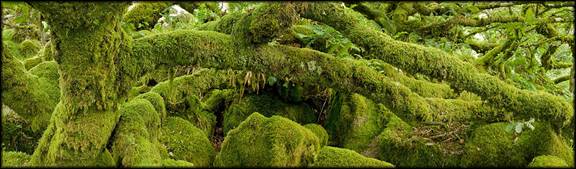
(127, 86)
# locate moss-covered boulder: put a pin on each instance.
(268, 142)
(14, 159)
(319, 131)
(355, 122)
(340, 157)
(186, 142)
(267, 105)
(547, 161)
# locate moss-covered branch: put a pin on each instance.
(438, 64)
(144, 15)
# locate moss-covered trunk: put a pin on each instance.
(90, 44)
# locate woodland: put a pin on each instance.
(287, 84)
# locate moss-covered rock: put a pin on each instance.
(340, 157)
(355, 122)
(136, 140)
(268, 105)
(319, 131)
(547, 161)
(268, 142)
(14, 159)
(31, 62)
(144, 15)
(157, 101)
(265, 23)
(495, 145)
(186, 142)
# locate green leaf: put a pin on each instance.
(530, 16)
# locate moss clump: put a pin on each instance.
(355, 122)
(135, 142)
(265, 23)
(157, 101)
(340, 157)
(268, 142)
(31, 62)
(186, 142)
(319, 131)
(14, 159)
(144, 15)
(29, 48)
(176, 163)
(548, 161)
(267, 105)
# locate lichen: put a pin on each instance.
(340, 157)
(186, 142)
(268, 142)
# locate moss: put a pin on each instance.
(268, 105)
(17, 134)
(31, 94)
(144, 15)
(435, 63)
(176, 163)
(29, 48)
(340, 157)
(493, 145)
(268, 142)
(400, 145)
(157, 101)
(547, 161)
(14, 159)
(31, 62)
(47, 52)
(186, 142)
(265, 23)
(319, 131)
(135, 139)
(357, 123)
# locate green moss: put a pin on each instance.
(547, 161)
(176, 163)
(265, 23)
(135, 141)
(340, 157)
(186, 142)
(31, 62)
(358, 121)
(157, 101)
(29, 48)
(268, 105)
(14, 159)
(268, 142)
(144, 15)
(17, 134)
(494, 145)
(319, 131)
(31, 94)
(435, 63)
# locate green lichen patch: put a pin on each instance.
(268, 142)
(14, 159)
(548, 161)
(340, 157)
(268, 105)
(186, 142)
